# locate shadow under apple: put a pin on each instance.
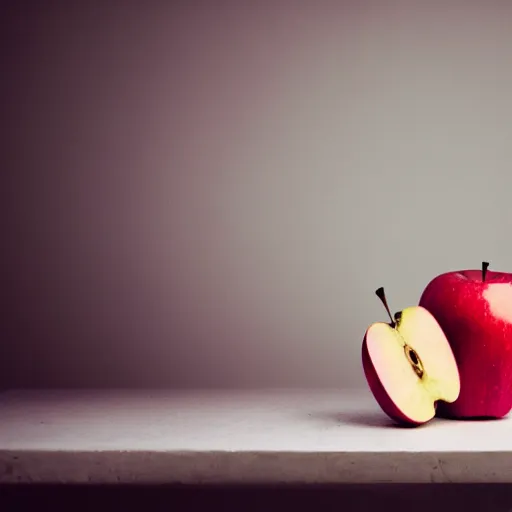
(360, 419)
(443, 412)
(470, 419)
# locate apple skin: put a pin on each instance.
(380, 394)
(476, 317)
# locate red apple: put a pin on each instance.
(409, 365)
(474, 309)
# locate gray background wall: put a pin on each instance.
(207, 193)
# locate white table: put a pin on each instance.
(237, 437)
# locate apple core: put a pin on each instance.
(414, 360)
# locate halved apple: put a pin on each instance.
(409, 365)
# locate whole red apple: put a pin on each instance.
(474, 309)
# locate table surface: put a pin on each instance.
(231, 437)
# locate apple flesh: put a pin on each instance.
(410, 366)
(474, 309)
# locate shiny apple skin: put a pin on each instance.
(480, 340)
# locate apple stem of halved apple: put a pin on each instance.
(485, 266)
(382, 296)
(411, 355)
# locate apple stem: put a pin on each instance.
(485, 266)
(382, 296)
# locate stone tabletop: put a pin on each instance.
(230, 437)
